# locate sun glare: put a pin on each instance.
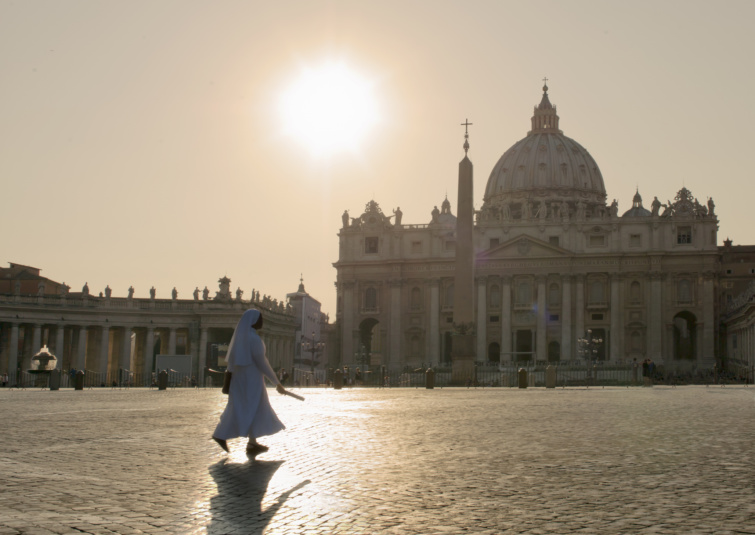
(329, 109)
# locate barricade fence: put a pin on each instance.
(485, 374)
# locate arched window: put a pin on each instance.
(524, 293)
(416, 300)
(370, 299)
(634, 293)
(684, 291)
(495, 297)
(554, 296)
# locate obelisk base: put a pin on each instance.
(462, 359)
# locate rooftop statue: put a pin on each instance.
(130, 292)
(108, 291)
(196, 293)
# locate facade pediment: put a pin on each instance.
(524, 246)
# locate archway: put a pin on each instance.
(524, 345)
(685, 336)
(365, 349)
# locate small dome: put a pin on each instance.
(637, 210)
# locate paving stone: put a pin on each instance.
(396, 461)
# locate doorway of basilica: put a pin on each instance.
(367, 337)
(685, 330)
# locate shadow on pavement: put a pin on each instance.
(241, 488)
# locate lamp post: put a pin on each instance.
(312, 347)
(588, 348)
(361, 358)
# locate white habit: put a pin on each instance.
(248, 412)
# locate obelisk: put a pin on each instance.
(463, 338)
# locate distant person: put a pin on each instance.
(248, 412)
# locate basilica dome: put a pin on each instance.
(545, 165)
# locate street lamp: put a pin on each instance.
(312, 347)
(589, 346)
(361, 357)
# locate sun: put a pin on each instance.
(329, 109)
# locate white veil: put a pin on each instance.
(239, 350)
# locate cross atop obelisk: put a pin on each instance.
(466, 124)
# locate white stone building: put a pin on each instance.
(552, 259)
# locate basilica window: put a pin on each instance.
(684, 291)
(495, 297)
(450, 245)
(371, 245)
(597, 294)
(416, 299)
(554, 296)
(494, 242)
(597, 241)
(635, 240)
(370, 299)
(449, 302)
(553, 240)
(635, 297)
(524, 293)
(417, 247)
(684, 235)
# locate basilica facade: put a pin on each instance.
(554, 262)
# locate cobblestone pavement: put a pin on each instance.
(613, 460)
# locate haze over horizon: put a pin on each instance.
(143, 143)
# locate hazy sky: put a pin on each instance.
(141, 142)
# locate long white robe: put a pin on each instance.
(248, 412)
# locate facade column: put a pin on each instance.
(60, 332)
(81, 353)
(566, 324)
(542, 350)
(149, 349)
(104, 349)
(350, 312)
(506, 346)
(655, 327)
(617, 325)
(708, 302)
(36, 340)
(482, 314)
(579, 307)
(126, 351)
(394, 357)
(433, 345)
(202, 355)
(13, 351)
(172, 341)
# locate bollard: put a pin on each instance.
(54, 380)
(162, 380)
(337, 380)
(430, 379)
(550, 377)
(522, 378)
(78, 380)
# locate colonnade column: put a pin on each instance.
(347, 331)
(482, 310)
(541, 333)
(172, 341)
(579, 307)
(433, 346)
(566, 324)
(81, 353)
(708, 302)
(59, 345)
(13, 350)
(104, 349)
(506, 347)
(149, 349)
(126, 351)
(395, 345)
(36, 340)
(655, 328)
(202, 364)
(616, 321)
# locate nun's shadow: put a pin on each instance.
(241, 488)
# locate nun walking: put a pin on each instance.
(248, 412)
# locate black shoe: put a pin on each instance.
(222, 443)
(256, 448)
